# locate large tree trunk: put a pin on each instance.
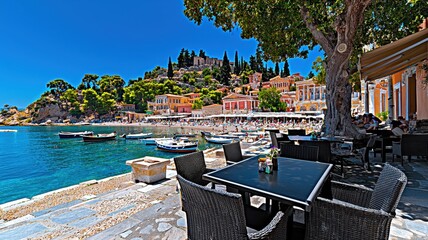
(338, 99)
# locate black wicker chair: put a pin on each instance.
(299, 152)
(233, 153)
(410, 145)
(214, 214)
(298, 132)
(192, 166)
(357, 212)
(277, 138)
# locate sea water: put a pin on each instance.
(35, 160)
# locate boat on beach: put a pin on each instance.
(219, 140)
(137, 135)
(100, 137)
(75, 134)
(179, 145)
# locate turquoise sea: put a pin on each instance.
(35, 160)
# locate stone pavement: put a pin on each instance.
(152, 211)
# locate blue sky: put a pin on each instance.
(48, 39)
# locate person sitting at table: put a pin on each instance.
(403, 123)
(373, 122)
(395, 128)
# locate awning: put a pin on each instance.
(394, 57)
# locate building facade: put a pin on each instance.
(310, 96)
(170, 104)
(238, 103)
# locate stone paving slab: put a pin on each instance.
(72, 216)
(23, 231)
(57, 207)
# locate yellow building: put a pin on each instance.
(310, 96)
(169, 104)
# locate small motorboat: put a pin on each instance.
(187, 135)
(179, 145)
(100, 137)
(137, 135)
(218, 140)
(228, 136)
(152, 141)
(75, 134)
(8, 130)
(205, 133)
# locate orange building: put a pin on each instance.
(169, 104)
(282, 84)
(192, 97)
(238, 103)
(400, 63)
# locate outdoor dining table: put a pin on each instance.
(296, 182)
(309, 138)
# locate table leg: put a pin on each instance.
(383, 151)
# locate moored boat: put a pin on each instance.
(219, 140)
(137, 135)
(74, 134)
(180, 145)
(100, 137)
(152, 141)
(8, 130)
(179, 135)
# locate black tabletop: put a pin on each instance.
(308, 138)
(297, 182)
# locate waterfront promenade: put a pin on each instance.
(152, 211)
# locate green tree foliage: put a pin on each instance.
(197, 104)
(90, 100)
(276, 69)
(89, 81)
(269, 99)
(206, 72)
(237, 69)
(180, 60)
(58, 87)
(216, 73)
(112, 84)
(310, 75)
(106, 103)
(318, 67)
(202, 54)
(225, 71)
(284, 28)
(286, 71)
(170, 73)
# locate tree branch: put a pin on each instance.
(320, 37)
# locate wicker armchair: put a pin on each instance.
(214, 214)
(192, 166)
(276, 138)
(233, 153)
(410, 145)
(357, 212)
(299, 152)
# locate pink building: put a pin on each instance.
(238, 103)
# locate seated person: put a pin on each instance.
(395, 128)
(403, 123)
(373, 122)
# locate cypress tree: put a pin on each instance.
(286, 71)
(237, 67)
(310, 75)
(186, 58)
(202, 54)
(170, 73)
(225, 71)
(276, 69)
(180, 59)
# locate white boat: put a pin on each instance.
(8, 130)
(179, 145)
(218, 140)
(74, 134)
(137, 135)
(228, 136)
(152, 141)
